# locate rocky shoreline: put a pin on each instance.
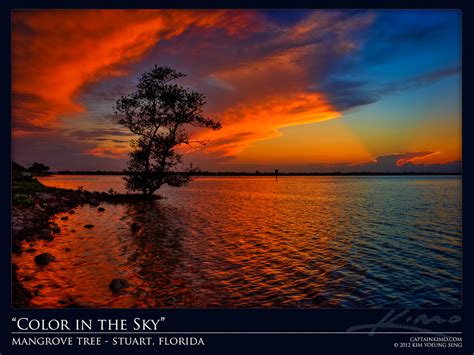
(32, 210)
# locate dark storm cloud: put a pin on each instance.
(347, 94)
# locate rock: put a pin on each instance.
(49, 238)
(101, 209)
(67, 249)
(46, 236)
(133, 257)
(44, 259)
(55, 228)
(45, 196)
(118, 285)
(135, 226)
(93, 202)
(67, 300)
(89, 226)
(16, 246)
(28, 278)
(30, 250)
(65, 218)
(72, 212)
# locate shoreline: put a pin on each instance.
(33, 205)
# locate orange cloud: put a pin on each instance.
(400, 159)
(316, 25)
(116, 152)
(410, 157)
(254, 121)
(246, 123)
(263, 83)
(56, 53)
(276, 72)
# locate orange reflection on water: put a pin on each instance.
(257, 242)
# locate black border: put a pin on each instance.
(249, 320)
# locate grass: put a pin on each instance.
(27, 185)
(23, 187)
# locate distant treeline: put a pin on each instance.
(37, 169)
(241, 173)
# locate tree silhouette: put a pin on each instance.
(160, 113)
(38, 169)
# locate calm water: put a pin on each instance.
(256, 242)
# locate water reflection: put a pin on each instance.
(252, 242)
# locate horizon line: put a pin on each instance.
(257, 173)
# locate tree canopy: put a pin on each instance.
(38, 168)
(160, 113)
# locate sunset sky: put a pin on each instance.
(294, 90)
